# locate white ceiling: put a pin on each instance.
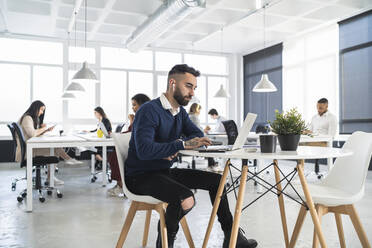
(113, 21)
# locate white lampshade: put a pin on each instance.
(85, 75)
(222, 93)
(264, 85)
(68, 96)
(74, 87)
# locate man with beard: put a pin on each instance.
(154, 144)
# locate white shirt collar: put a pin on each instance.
(324, 115)
(166, 105)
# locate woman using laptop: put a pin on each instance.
(117, 190)
(32, 125)
(100, 114)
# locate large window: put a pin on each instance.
(267, 61)
(15, 91)
(37, 70)
(140, 82)
(25, 77)
(47, 87)
(29, 51)
(113, 89)
(310, 71)
(355, 73)
(83, 105)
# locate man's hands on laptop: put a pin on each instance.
(197, 142)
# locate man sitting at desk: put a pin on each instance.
(323, 123)
(154, 144)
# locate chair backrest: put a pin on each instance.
(22, 142)
(121, 147)
(263, 128)
(349, 173)
(119, 127)
(14, 143)
(231, 131)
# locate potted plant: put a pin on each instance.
(288, 126)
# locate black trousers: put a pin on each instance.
(174, 185)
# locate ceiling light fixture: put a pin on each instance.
(264, 85)
(222, 92)
(165, 17)
(85, 74)
(73, 86)
(68, 96)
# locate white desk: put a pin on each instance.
(62, 141)
(302, 153)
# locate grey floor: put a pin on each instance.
(87, 217)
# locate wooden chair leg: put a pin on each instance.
(298, 226)
(187, 233)
(147, 227)
(128, 222)
(163, 227)
(358, 226)
(340, 230)
(320, 212)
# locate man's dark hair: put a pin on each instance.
(141, 98)
(323, 100)
(213, 112)
(182, 69)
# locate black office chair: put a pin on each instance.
(14, 144)
(232, 133)
(37, 162)
(119, 127)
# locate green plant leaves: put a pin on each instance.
(289, 122)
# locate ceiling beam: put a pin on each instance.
(104, 13)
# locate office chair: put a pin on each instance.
(142, 202)
(119, 127)
(14, 144)
(341, 189)
(37, 162)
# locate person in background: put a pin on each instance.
(219, 119)
(100, 114)
(153, 147)
(212, 164)
(323, 123)
(32, 125)
(194, 113)
(117, 190)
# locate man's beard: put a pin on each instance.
(180, 98)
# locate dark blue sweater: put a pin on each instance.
(156, 135)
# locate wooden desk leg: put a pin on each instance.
(310, 203)
(216, 203)
(238, 207)
(281, 204)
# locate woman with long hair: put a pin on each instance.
(117, 190)
(101, 116)
(32, 125)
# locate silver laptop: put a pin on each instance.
(239, 142)
(103, 129)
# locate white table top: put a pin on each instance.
(79, 140)
(303, 152)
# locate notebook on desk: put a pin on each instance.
(239, 142)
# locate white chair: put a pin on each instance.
(141, 202)
(343, 187)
